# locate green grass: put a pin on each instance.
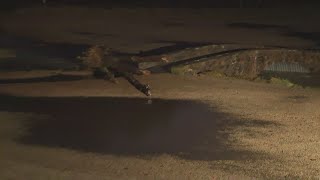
(180, 70)
(281, 81)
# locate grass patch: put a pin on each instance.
(181, 70)
(281, 81)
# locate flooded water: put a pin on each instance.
(124, 126)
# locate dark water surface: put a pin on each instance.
(128, 126)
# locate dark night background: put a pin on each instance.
(172, 3)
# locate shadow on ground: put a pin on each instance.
(284, 30)
(31, 54)
(176, 46)
(92, 34)
(51, 78)
(130, 126)
(256, 26)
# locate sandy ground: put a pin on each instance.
(195, 128)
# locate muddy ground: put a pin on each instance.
(194, 127)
